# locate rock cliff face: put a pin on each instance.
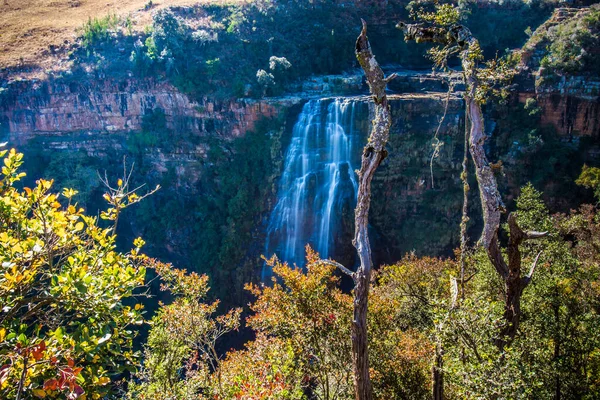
(417, 196)
(570, 115)
(30, 109)
(571, 106)
(101, 117)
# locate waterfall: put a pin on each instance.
(318, 181)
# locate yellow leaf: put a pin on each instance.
(103, 381)
(120, 182)
(2, 334)
(139, 242)
(39, 393)
(68, 193)
(78, 226)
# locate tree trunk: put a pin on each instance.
(491, 201)
(465, 207)
(373, 154)
(438, 373)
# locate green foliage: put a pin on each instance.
(434, 12)
(573, 44)
(310, 311)
(98, 30)
(555, 350)
(401, 321)
(181, 349)
(235, 202)
(266, 369)
(313, 37)
(590, 178)
(265, 79)
(532, 107)
(64, 328)
(75, 170)
(303, 327)
(154, 132)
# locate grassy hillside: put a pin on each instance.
(32, 30)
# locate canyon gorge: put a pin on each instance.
(305, 197)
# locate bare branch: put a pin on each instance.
(338, 266)
(437, 145)
(535, 234)
(391, 77)
(470, 277)
(453, 292)
(528, 278)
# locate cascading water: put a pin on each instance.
(317, 183)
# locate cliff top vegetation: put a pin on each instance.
(36, 32)
(42, 36)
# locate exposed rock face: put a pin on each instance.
(29, 109)
(570, 103)
(409, 210)
(570, 115)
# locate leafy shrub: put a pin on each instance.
(590, 178)
(574, 44)
(64, 327)
(97, 30)
(183, 338)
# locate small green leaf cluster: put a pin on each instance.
(590, 178)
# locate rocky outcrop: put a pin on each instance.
(570, 102)
(570, 114)
(60, 107)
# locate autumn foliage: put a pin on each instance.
(69, 315)
(64, 327)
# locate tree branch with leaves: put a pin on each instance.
(442, 27)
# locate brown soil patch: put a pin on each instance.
(35, 33)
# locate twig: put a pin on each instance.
(528, 278)
(437, 145)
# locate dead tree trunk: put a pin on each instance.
(464, 176)
(459, 39)
(515, 282)
(373, 154)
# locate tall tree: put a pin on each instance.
(373, 154)
(443, 29)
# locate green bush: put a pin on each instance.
(574, 44)
(97, 30)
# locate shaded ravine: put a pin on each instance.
(318, 181)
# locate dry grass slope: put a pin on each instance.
(32, 32)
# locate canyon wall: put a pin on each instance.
(416, 196)
(61, 107)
